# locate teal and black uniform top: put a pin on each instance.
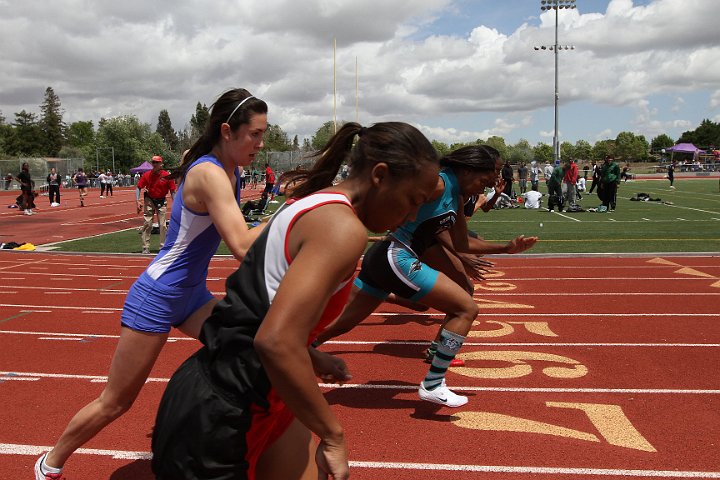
(433, 217)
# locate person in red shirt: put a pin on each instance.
(155, 185)
(570, 181)
(269, 181)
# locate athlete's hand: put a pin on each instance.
(332, 460)
(499, 186)
(329, 368)
(521, 243)
(139, 206)
(475, 267)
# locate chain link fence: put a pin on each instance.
(39, 169)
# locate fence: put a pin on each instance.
(39, 169)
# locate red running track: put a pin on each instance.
(593, 367)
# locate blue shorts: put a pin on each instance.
(153, 307)
(391, 267)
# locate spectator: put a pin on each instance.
(109, 183)
(580, 187)
(533, 198)
(103, 183)
(507, 175)
(610, 178)
(535, 173)
(547, 171)
(570, 177)
(554, 185)
(54, 180)
(625, 174)
(595, 178)
(8, 181)
(269, 181)
(522, 177)
(155, 185)
(26, 187)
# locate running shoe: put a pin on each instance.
(39, 475)
(442, 395)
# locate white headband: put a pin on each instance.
(238, 106)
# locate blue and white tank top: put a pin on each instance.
(191, 240)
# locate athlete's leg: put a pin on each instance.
(291, 456)
(134, 357)
(195, 321)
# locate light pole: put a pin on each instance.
(555, 48)
(97, 157)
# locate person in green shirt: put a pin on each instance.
(610, 178)
(554, 186)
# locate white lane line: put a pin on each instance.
(412, 388)
(35, 450)
(66, 339)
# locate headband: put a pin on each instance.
(238, 106)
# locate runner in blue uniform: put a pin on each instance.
(396, 265)
(172, 291)
(244, 406)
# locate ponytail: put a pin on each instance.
(327, 164)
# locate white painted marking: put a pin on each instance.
(61, 338)
(35, 450)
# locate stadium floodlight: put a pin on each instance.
(556, 5)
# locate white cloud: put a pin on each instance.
(133, 57)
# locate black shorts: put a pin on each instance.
(199, 434)
(268, 187)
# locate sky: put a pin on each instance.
(460, 70)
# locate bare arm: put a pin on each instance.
(322, 258)
(207, 188)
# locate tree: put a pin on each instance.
(25, 138)
(131, 141)
(567, 151)
(521, 152)
(323, 134)
(296, 143)
(275, 139)
(602, 149)
(498, 143)
(582, 150)
(79, 140)
(706, 135)
(629, 147)
(441, 147)
(165, 130)
(660, 142)
(198, 121)
(51, 124)
(543, 153)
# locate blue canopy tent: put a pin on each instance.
(142, 168)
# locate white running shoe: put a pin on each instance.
(28, 212)
(39, 475)
(442, 396)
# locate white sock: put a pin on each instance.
(44, 468)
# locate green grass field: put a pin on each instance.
(690, 224)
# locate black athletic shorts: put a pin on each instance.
(199, 434)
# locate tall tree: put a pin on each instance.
(296, 143)
(706, 135)
(26, 137)
(51, 124)
(79, 140)
(441, 147)
(198, 121)
(166, 131)
(275, 139)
